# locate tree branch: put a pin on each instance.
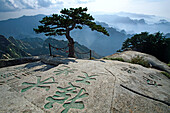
(72, 27)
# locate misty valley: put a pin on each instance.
(25, 42)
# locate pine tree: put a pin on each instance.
(69, 19)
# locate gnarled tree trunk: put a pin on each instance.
(71, 45)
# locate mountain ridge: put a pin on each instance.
(10, 50)
(135, 25)
(23, 28)
(37, 46)
(19, 29)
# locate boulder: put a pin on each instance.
(56, 60)
(153, 61)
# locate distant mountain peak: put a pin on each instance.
(163, 21)
(135, 15)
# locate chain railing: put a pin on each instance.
(85, 53)
(62, 49)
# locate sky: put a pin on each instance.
(18, 8)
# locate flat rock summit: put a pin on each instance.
(68, 85)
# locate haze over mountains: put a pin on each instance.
(118, 26)
(135, 23)
(20, 27)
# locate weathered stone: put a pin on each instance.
(128, 55)
(17, 61)
(83, 86)
(56, 60)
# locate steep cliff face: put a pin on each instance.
(9, 49)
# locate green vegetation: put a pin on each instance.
(10, 50)
(169, 64)
(166, 74)
(139, 60)
(153, 44)
(167, 51)
(119, 59)
(135, 60)
(73, 18)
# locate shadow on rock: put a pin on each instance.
(57, 60)
(39, 66)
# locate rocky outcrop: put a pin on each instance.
(83, 86)
(17, 61)
(56, 60)
(9, 50)
(153, 61)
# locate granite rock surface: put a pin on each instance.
(153, 61)
(83, 86)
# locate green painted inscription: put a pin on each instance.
(64, 71)
(73, 103)
(7, 75)
(130, 71)
(86, 79)
(62, 97)
(65, 93)
(39, 84)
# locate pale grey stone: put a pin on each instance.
(101, 86)
(153, 61)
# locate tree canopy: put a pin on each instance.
(69, 19)
(154, 44)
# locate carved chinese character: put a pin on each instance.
(65, 93)
(64, 71)
(39, 84)
(86, 79)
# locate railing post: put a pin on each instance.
(90, 54)
(50, 49)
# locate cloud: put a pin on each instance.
(84, 1)
(14, 5)
(151, 0)
(47, 3)
(6, 6)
